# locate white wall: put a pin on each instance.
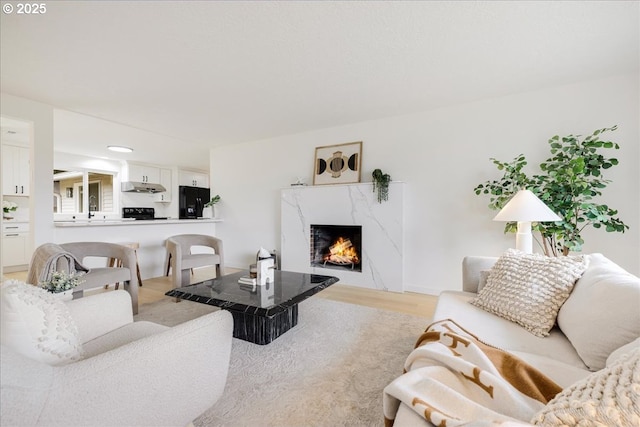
(442, 155)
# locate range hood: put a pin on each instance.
(141, 187)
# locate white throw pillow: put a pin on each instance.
(608, 397)
(37, 324)
(529, 289)
(602, 313)
(625, 349)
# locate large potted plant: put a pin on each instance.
(572, 177)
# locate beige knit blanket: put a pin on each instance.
(49, 258)
(451, 379)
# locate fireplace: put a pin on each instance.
(336, 247)
(380, 245)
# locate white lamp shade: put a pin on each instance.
(527, 207)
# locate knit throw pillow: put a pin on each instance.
(529, 289)
(37, 324)
(609, 397)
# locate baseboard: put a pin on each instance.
(422, 290)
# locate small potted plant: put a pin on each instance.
(7, 208)
(62, 284)
(381, 185)
(209, 211)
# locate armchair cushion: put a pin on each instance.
(114, 308)
(37, 324)
(121, 336)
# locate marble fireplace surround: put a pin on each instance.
(348, 204)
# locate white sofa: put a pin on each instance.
(605, 297)
(129, 373)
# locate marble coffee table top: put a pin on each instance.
(289, 288)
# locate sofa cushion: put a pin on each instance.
(505, 334)
(602, 312)
(37, 324)
(529, 289)
(608, 397)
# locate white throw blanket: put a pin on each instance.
(451, 378)
(49, 258)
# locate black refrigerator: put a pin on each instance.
(192, 200)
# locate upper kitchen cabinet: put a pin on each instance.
(166, 182)
(143, 173)
(15, 170)
(193, 178)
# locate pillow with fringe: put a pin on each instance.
(37, 324)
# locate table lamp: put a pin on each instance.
(525, 207)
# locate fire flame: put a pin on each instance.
(342, 252)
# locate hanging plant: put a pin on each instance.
(381, 185)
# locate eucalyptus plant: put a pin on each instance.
(215, 199)
(572, 177)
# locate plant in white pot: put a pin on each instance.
(7, 208)
(209, 208)
(62, 284)
(570, 183)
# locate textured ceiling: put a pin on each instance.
(213, 73)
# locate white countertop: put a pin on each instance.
(120, 222)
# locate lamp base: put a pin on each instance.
(524, 238)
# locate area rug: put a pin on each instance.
(329, 370)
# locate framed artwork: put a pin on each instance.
(338, 164)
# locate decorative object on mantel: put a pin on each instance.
(338, 164)
(381, 184)
(7, 208)
(299, 182)
(208, 211)
(61, 284)
(572, 178)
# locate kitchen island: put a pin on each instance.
(149, 234)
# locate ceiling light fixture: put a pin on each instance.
(119, 148)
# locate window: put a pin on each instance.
(69, 196)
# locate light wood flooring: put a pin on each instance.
(153, 289)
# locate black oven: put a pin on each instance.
(147, 214)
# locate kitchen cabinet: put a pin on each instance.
(166, 182)
(16, 249)
(193, 178)
(144, 173)
(16, 170)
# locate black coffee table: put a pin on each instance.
(260, 313)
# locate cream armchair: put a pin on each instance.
(131, 373)
(182, 259)
(96, 277)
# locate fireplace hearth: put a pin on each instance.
(336, 247)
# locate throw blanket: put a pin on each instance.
(451, 379)
(49, 258)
